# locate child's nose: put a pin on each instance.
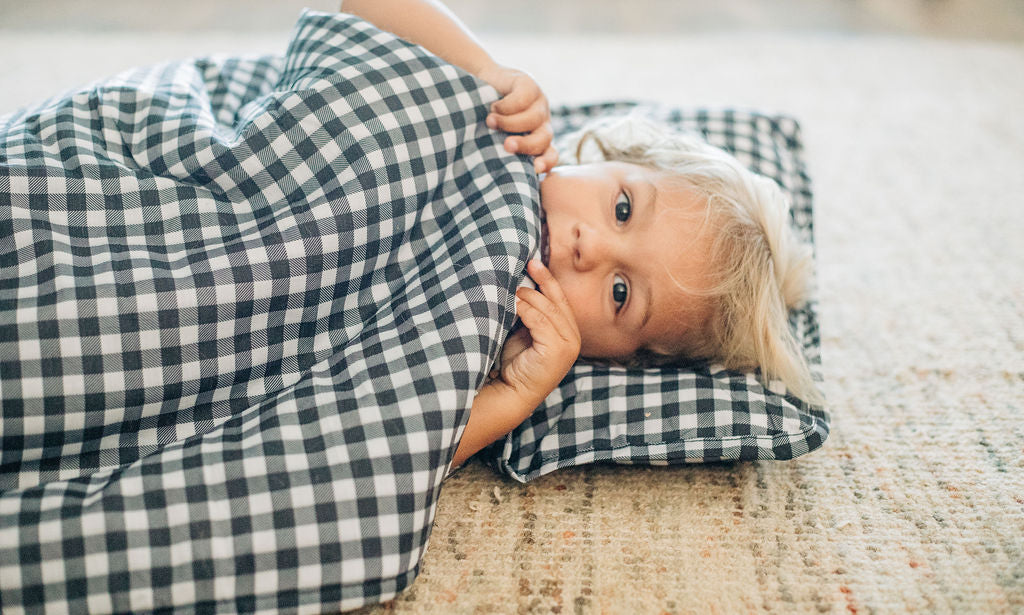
(591, 247)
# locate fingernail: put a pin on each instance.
(491, 122)
(511, 145)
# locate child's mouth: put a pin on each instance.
(545, 246)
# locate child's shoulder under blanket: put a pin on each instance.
(245, 305)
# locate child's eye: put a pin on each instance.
(619, 292)
(623, 208)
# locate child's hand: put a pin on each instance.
(533, 362)
(537, 357)
(523, 109)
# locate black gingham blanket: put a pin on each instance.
(244, 307)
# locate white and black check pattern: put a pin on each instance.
(245, 305)
(701, 412)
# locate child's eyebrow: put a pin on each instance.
(648, 303)
(652, 199)
(653, 192)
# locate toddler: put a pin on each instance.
(654, 244)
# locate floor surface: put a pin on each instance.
(975, 19)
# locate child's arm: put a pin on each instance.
(534, 361)
(523, 108)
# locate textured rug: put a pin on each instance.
(916, 502)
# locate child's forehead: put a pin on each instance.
(661, 180)
(671, 192)
(670, 195)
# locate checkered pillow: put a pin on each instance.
(700, 413)
(245, 305)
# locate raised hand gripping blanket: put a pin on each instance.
(244, 308)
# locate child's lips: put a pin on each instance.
(545, 245)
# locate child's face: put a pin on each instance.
(619, 236)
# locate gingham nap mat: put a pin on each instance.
(245, 305)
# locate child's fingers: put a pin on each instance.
(554, 313)
(546, 161)
(547, 339)
(528, 120)
(515, 344)
(538, 317)
(549, 285)
(533, 144)
(559, 315)
(523, 92)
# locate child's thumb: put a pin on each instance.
(516, 344)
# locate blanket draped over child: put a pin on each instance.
(244, 308)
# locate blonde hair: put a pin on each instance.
(760, 268)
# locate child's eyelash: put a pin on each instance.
(620, 292)
(623, 207)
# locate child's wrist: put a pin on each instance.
(515, 401)
(489, 71)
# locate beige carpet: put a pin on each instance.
(916, 502)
